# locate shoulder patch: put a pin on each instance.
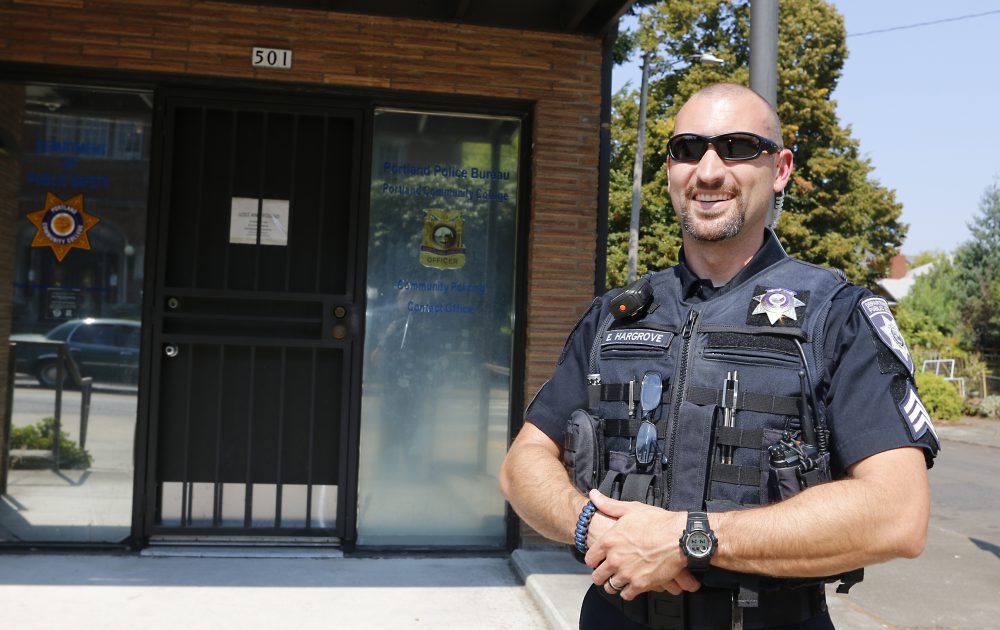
(883, 324)
(918, 421)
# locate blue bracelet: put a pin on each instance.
(582, 525)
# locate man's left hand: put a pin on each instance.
(641, 551)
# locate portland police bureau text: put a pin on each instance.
(390, 169)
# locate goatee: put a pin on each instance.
(732, 222)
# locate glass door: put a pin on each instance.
(436, 387)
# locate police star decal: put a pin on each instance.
(777, 303)
(877, 311)
(62, 225)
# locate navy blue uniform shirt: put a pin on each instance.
(863, 404)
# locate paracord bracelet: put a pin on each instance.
(583, 525)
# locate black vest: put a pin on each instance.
(694, 347)
(768, 333)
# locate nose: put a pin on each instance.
(711, 169)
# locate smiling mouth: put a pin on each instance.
(712, 198)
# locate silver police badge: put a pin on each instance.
(877, 311)
(777, 303)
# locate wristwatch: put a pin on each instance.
(698, 542)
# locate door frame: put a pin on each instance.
(368, 101)
(144, 499)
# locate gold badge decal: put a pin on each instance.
(442, 247)
(62, 225)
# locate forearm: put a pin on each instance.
(539, 490)
(834, 527)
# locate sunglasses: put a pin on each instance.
(738, 145)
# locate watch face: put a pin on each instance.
(699, 544)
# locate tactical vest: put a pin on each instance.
(768, 332)
(694, 347)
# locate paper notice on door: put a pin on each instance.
(274, 229)
(244, 216)
(243, 221)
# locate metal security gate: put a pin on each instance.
(256, 323)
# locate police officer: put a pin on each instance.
(725, 166)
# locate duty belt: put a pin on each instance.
(713, 609)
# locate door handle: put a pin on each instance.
(171, 350)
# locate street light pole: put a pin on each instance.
(640, 143)
(764, 49)
(764, 62)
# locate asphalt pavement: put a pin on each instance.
(954, 584)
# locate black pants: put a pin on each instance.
(598, 614)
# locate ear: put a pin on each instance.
(667, 169)
(783, 169)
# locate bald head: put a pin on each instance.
(724, 199)
(756, 110)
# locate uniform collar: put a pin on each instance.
(698, 290)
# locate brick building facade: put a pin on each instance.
(555, 77)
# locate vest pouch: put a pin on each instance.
(582, 448)
(787, 481)
(621, 461)
(783, 483)
(752, 357)
(821, 473)
(687, 463)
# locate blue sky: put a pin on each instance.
(924, 103)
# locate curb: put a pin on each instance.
(556, 582)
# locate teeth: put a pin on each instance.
(712, 197)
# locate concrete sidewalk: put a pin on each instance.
(125, 592)
(534, 589)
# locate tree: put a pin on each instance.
(935, 298)
(835, 213)
(978, 263)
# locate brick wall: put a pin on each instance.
(559, 73)
(11, 112)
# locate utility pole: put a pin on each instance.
(640, 143)
(764, 60)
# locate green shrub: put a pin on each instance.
(940, 397)
(972, 407)
(990, 407)
(38, 436)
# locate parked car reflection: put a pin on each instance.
(105, 349)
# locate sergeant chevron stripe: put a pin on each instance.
(916, 414)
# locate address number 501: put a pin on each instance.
(271, 57)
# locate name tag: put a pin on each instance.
(637, 337)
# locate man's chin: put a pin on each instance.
(712, 233)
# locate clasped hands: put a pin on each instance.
(637, 545)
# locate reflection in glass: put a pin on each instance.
(83, 166)
(436, 389)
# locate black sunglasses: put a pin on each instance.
(738, 145)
